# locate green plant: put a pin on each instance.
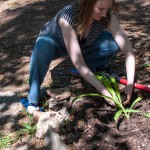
(112, 87)
(147, 115)
(5, 141)
(147, 65)
(30, 129)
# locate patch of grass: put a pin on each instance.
(7, 140)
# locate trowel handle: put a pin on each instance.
(136, 85)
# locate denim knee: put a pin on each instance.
(44, 48)
(101, 52)
(106, 44)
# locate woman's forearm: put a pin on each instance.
(86, 73)
(130, 68)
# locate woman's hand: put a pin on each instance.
(128, 90)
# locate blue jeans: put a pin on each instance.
(47, 49)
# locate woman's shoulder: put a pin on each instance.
(69, 13)
(69, 9)
(71, 5)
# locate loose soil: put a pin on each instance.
(91, 125)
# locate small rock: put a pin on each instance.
(52, 103)
(51, 118)
(59, 94)
(37, 115)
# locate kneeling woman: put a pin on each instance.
(79, 30)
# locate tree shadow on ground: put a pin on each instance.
(18, 35)
(20, 25)
(9, 110)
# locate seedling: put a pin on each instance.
(147, 115)
(147, 65)
(29, 129)
(112, 87)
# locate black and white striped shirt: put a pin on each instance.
(69, 13)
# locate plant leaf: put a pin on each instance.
(25, 130)
(26, 125)
(147, 115)
(117, 91)
(105, 81)
(132, 110)
(117, 115)
(90, 95)
(147, 65)
(34, 127)
(107, 84)
(136, 101)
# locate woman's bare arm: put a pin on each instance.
(75, 54)
(124, 44)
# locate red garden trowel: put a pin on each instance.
(124, 81)
(110, 73)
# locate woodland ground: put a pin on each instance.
(91, 126)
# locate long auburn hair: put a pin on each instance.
(85, 13)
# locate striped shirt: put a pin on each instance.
(69, 13)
